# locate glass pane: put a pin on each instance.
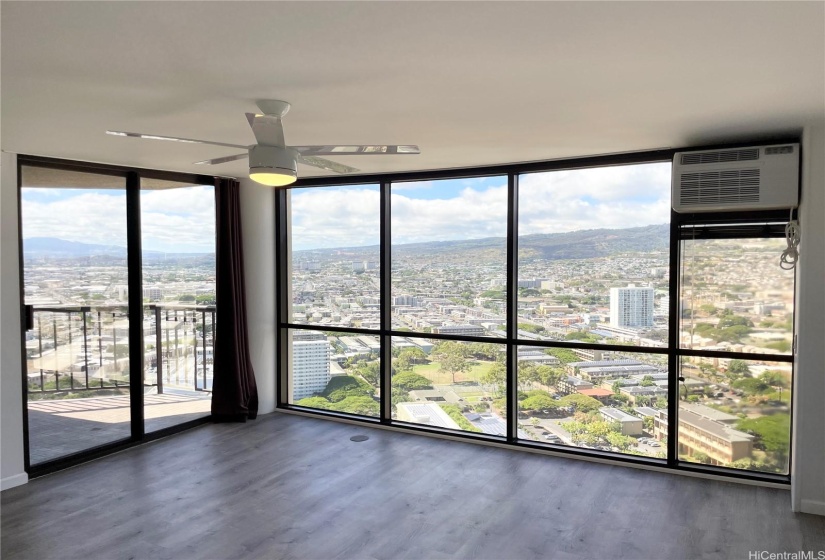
(335, 371)
(449, 256)
(178, 239)
(594, 255)
(454, 385)
(735, 413)
(592, 399)
(75, 277)
(334, 245)
(735, 297)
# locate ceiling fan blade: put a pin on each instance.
(383, 150)
(172, 139)
(268, 129)
(224, 159)
(322, 163)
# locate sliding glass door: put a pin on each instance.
(118, 269)
(75, 278)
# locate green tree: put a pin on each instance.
(538, 403)
(564, 355)
(646, 381)
(531, 328)
(455, 413)
(580, 402)
(495, 377)
(582, 336)
(774, 379)
(414, 355)
(527, 375)
(370, 372)
(358, 405)
(549, 375)
(751, 386)
(187, 297)
(314, 402)
(452, 358)
(343, 386)
(409, 381)
(737, 369)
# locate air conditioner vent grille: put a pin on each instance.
(719, 187)
(721, 156)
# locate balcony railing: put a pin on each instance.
(72, 349)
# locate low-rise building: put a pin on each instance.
(631, 425)
(463, 330)
(715, 438)
(571, 384)
(426, 413)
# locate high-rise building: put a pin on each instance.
(310, 364)
(631, 306)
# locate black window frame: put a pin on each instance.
(132, 180)
(673, 351)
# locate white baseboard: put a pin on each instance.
(17, 480)
(812, 506)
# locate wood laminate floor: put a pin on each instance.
(286, 486)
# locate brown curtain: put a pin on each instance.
(234, 392)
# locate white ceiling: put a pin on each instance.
(471, 83)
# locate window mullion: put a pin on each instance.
(386, 302)
(512, 306)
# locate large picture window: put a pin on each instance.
(563, 307)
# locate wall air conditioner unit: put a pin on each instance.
(749, 178)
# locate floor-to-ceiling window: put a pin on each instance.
(562, 306)
(118, 270)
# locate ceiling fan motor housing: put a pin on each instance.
(273, 158)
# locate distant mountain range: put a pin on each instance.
(39, 247)
(583, 244)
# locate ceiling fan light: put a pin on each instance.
(272, 178)
(273, 166)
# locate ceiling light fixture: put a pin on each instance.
(273, 166)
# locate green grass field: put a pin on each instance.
(431, 372)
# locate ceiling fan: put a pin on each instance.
(271, 161)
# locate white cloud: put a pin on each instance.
(175, 220)
(614, 197)
(335, 217)
(471, 215)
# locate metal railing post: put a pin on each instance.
(40, 350)
(203, 345)
(158, 350)
(85, 348)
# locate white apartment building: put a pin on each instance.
(310, 364)
(631, 306)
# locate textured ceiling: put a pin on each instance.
(470, 83)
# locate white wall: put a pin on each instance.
(258, 222)
(11, 379)
(808, 461)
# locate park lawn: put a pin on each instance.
(431, 372)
